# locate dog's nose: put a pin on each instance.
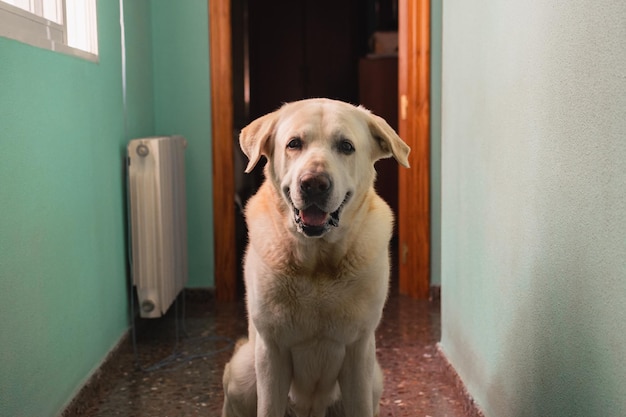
(315, 185)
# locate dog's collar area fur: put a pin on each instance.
(332, 219)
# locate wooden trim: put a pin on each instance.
(413, 183)
(414, 125)
(223, 171)
(469, 405)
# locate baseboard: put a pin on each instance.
(94, 383)
(200, 294)
(470, 408)
(435, 293)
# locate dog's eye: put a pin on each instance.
(295, 143)
(345, 147)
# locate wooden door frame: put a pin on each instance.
(413, 183)
(222, 123)
(414, 128)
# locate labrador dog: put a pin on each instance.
(317, 264)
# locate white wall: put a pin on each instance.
(534, 204)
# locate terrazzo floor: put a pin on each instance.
(417, 379)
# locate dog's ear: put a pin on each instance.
(388, 140)
(255, 139)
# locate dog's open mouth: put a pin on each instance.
(313, 221)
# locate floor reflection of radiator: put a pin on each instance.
(158, 221)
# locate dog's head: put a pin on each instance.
(321, 156)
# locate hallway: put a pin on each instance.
(417, 383)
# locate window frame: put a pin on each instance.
(27, 27)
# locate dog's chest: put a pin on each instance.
(300, 308)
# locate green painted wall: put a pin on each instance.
(183, 105)
(534, 205)
(63, 302)
(140, 117)
(63, 135)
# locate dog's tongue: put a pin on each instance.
(313, 216)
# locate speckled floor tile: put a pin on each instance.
(189, 383)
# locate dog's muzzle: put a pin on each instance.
(313, 220)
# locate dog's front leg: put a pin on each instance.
(273, 373)
(356, 379)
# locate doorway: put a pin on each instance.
(281, 51)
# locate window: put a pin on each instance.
(67, 26)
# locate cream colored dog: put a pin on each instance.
(317, 265)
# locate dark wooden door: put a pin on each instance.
(301, 49)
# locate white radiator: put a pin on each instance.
(158, 221)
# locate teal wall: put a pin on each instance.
(63, 132)
(180, 42)
(63, 302)
(140, 115)
(534, 205)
